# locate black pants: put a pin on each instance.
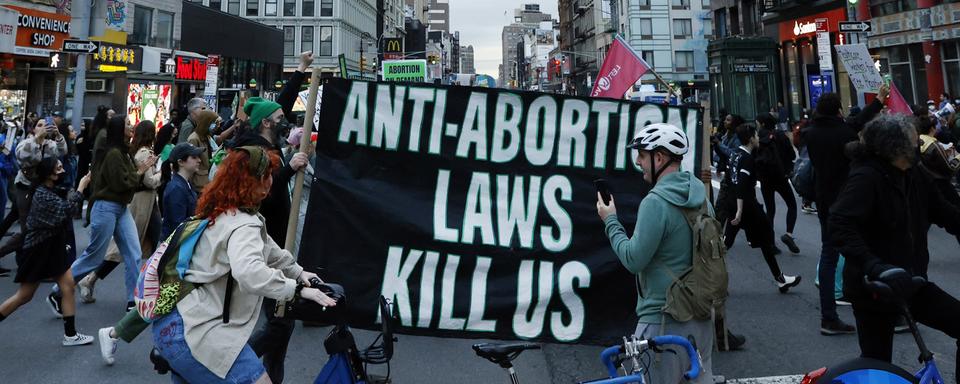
(270, 340)
(759, 233)
(21, 202)
(931, 306)
(781, 187)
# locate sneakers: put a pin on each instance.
(131, 305)
(792, 245)
(78, 339)
(808, 209)
(836, 327)
(844, 301)
(788, 282)
(54, 302)
(108, 345)
(86, 288)
(736, 342)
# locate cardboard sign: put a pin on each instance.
(860, 67)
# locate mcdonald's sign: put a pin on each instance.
(393, 48)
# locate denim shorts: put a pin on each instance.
(169, 340)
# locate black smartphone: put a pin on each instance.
(604, 190)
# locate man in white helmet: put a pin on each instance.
(662, 239)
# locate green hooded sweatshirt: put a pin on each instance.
(661, 238)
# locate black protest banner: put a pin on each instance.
(474, 209)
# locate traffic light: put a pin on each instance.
(363, 63)
(556, 66)
(433, 59)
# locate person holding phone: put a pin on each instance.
(661, 239)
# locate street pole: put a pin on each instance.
(854, 38)
(79, 28)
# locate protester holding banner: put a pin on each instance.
(199, 345)
(749, 216)
(661, 239)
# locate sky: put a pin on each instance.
(480, 23)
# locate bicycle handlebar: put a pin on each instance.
(609, 355)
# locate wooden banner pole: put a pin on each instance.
(305, 147)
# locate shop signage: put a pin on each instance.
(116, 14)
(210, 84)
(823, 51)
(191, 68)
(39, 33)
(405, 70)
(714, 68)
(803, 29)
(114, 58)
(751, 67)
(855, 26)
(80, 46)
(805, 26)
(392, 48)
(8, 30)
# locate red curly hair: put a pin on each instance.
(234, 186)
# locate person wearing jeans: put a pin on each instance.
(115, 181)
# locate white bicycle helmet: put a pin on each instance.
(661, 135)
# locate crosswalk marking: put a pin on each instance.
(790, 379)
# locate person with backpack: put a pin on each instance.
(774, 159)
(43, 254)
(749, 214)
(661, 247)
(826, 141)
(234, 266)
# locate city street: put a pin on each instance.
(782, 333)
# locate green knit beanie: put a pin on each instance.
(258, 109)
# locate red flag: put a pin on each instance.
(897, 103)
(621, 69)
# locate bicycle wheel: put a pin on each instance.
(866, 371)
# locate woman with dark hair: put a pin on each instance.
(166, 137)
(115, 180)
(143, 208)
(774, 162)
(726, 145)
(194, 339)
(44, 255)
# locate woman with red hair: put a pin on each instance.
(203, 342)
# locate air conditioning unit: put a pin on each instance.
(97, 85)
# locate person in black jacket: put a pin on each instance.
(826, 138)
(270, 339)
(775, 157)
(749, 215)
(880, 222)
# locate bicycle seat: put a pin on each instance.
(161, 365)
(502, 354)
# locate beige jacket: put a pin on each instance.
(236, 244)
(141, 207)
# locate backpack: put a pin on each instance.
(160, 285)
(803, 178)
(701, 291)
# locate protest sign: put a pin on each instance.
(860, 67)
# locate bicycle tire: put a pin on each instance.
(863, 371)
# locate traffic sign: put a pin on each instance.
(855, 26)
(80, 46)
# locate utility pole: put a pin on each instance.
(380, 12)
(79, 28)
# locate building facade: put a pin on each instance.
(327, 27)
(526, 20)
(671, 36)
(466, 60)
(438, 15)
(585, 32)
(393, 18)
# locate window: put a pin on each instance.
(708, 28)
(951, 67)
(646, 28)
(253, 7)
(307, 8)
(326, 8)
(644, 4)
(734, 21)
(888, 7)
(270, 8)
(683, 61)
(233, 7)
(164, 37)
(705, 4)
(680, 4)
(142, 25)
(289, 7)
(289, 37)
(648, 57)
(720, 21)
(215, 4)
(682, 29)
(326, 41)
(306, 38)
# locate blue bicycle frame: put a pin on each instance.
(632, 349)
(929, 374)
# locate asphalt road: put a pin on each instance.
(782, 333)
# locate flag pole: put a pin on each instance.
(649, 67)
(297, 197)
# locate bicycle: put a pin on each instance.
(864, 370)
(612, 357)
